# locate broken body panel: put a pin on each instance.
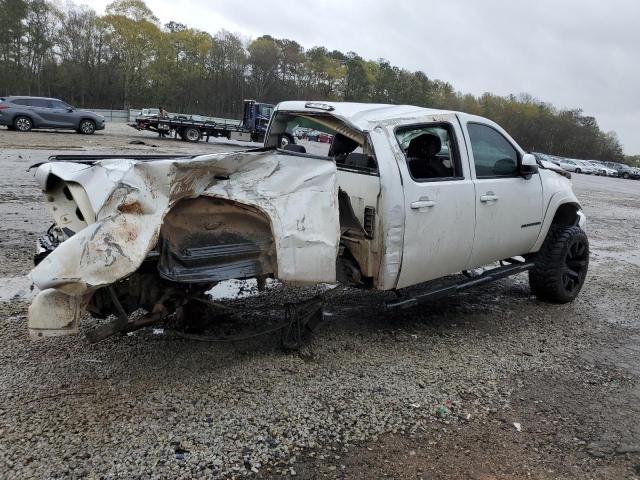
(356, 215)
(280, 214)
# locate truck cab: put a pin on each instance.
(255, 118)
(444, 191)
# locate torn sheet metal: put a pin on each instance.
(131, 198)
(53, 313)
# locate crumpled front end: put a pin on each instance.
(182, 222)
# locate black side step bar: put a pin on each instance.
(514, 267)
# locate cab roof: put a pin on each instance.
(363, 116)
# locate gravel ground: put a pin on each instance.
(490, 384)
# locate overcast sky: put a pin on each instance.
(572, 53)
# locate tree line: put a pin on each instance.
(125, 58)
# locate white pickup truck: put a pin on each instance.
(402, 195)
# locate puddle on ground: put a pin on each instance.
(612, 251)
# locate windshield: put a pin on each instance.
(265, 110)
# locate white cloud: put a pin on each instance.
(574, 53)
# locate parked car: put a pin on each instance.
(602, 169)
(311, 135)
(624, 171)
(325, 138)
(546, 157)
(569, 165)
(299, 132)
(403, 196)
(148, 112)
(577, 166)
(585, 166)
(25, 113)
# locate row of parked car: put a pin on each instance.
(312, 135)
(593, 167)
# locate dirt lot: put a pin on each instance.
(491, 384)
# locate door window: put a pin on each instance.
(493, 154)
(59, 105)
(40, 103)
(430, 152)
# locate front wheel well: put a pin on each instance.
(566, 215)
(86, 118)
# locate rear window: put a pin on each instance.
(325, 136)
(40, 102)
(21, 101)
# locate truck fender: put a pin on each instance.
(557, 201)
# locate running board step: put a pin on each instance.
(488, 276)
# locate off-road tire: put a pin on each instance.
(87, 127)
(561, 265)
(22, 123)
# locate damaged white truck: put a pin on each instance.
(402, 195)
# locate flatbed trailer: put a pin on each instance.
(193, 130)
(252, 126)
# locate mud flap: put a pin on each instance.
(53, 313)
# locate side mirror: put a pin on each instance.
(528, 165)
(69, 109)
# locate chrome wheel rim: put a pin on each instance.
(87, 127)
(23, 124)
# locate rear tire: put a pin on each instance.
(22, 124)
(87, 127)
(285, 140)
(191, 134)
(561, 265)
(578, 170)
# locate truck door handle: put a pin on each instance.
(422, 204)
(489, 197)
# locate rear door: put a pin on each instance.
(508, 206)
(25, 106)
(42, 108)
(439, 205)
